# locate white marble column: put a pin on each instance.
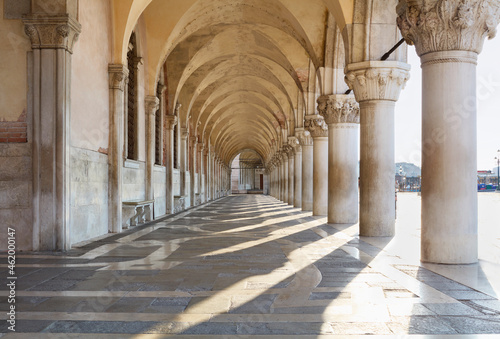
(183, 156)
(205, 171)
(212, 174)
(52, 39)
(297, 182)
(117, 75)
(306, 143)
(170, 123)
(377, 85)
(276, 181)
(201, 173)
(192, 169)
(341, 113)
(151, 107)
(217, 177)
(284, 177)
(291, 175)
(449, 131)
(319, 132)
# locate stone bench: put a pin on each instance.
(136, 212)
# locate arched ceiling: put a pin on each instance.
(236, 66)
(249, 159)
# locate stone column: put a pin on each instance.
(192, 170)
(284, 177)
(201, 173)
(217, 175)
(297, 189)
(306, 143)
(52, 39)
(152, 104)
(183, 155)
(212, 175)
(117, 79)
(341, 113)
(275, 181)
(377, 85)
(206, 171)
(319, 132)
(170, 123)
(291, 174)
(449, 140)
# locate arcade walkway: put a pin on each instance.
(244, 266)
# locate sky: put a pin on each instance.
(409, 109)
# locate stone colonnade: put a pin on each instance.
(329, 186)
(300, 173)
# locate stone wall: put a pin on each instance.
(177, 182)
(134, 182)
(160, 191)
(16, 194)
(89, 194)
(188, 188)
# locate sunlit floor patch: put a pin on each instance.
(255, 268)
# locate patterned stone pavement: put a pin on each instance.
(242, 266)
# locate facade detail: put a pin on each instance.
(316, 125)
(377, 80)
(339, 109)
(440, 25)
(52, 32)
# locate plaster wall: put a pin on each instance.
(89, 77)
(160, 191)
(16, 194)
(89, 194)
(176, 183)
(14, 44)
(16, 176)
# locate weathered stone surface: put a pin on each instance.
(15, 194)
(89, 194)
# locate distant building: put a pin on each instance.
(407, 177)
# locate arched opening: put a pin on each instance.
(247, 173)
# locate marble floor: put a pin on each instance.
(250, 267)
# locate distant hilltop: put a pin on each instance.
(409, 170)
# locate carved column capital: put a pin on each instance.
(448, 25)
(377, 80)
(316, 125)
(288, 150)
(52, 32)
(201, 147)
(170, 121)
(304, 137)
(184, 133)
(118, 74)
(295, 144)
(152, 104)
(339, 109)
